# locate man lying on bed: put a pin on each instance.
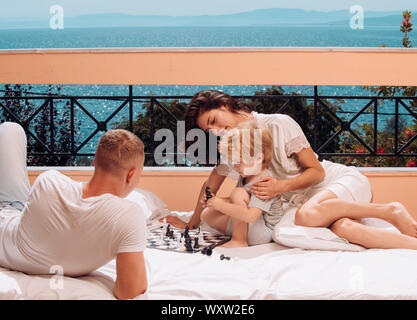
(76, 226)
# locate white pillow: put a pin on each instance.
(152, 205)
(9, 288)
(154, 202)
(287, 233)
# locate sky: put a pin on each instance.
(40, 8)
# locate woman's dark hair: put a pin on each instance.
(207, 100)
(211, 99)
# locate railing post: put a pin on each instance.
(375, 125)
(72, 147)
(131, 108)
(396, 128)
(316, 107)
(51, 125)
(151, 115)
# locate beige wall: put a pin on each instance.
(180, 189)
(211, 66)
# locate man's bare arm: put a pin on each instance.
(131, 278)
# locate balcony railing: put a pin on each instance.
(285, 104)
(208, 66)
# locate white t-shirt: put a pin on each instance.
(59, 228)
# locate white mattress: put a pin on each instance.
(268, 271)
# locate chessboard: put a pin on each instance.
(176, 239)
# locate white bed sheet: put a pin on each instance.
(269, 271)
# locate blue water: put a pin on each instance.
(297, 36)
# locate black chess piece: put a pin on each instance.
(188, 245)
(208, 194)
(196, 245)
(222, 257)
(209, 251)
(186, 232)
(168, 232)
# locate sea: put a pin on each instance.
(276, 36)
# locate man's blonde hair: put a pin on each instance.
(248, 134)
(118, 150)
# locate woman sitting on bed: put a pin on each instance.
(339, 196)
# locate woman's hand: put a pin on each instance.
(268, 188)
(216, 203)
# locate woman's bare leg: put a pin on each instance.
(324, 208)
(370, 237)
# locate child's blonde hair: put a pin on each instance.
(244, 141)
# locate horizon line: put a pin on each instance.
(202, 15)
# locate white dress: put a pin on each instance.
(347, 182)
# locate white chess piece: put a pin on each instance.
(164, 225)
(172, 244)
(181, 244)
(160, 240)
(200, 238)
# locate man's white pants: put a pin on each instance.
(14, 182)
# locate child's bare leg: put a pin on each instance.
(239, 235)
(370, 237)
(325, 208)
(238, 196)
(216, 219)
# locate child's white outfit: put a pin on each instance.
(260, 231)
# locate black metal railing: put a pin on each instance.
(320, 105)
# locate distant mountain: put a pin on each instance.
(263, 17)
(388, 21)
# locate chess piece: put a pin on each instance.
(208, 194)
(186, 232)
(222, 257)
(188, 245)
(196, 245)
(160, 241)
(172, 244)
(200, 236)
(168, 230)
(181, 245)
(164, 225)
